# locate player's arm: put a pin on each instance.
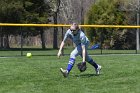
(60, 49)
(83, 45)
(83, 52)
(62, 44)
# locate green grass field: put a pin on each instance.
(40, 74)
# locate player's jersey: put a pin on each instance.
(78, 39)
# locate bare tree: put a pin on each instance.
(55, 4)
(66, 12)
(134, 6)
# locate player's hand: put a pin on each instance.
(59, 54)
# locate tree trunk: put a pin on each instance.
(1, 38)
(1, 41)
(55, 32)
(4, 39)
(6, 42)
(42, 38)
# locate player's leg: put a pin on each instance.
(88, 58)
(71, 62)
(93, 63)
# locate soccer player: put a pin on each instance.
(81, 43)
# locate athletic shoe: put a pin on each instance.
(98, 70)
(64, 72)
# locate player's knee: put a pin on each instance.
(72, 56)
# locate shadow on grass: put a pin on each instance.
(86, 75)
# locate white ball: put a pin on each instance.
(29, 55)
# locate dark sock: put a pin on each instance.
(93, 63)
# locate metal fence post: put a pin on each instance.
(62, 39)
(101, 39)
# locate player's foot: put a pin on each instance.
(98, 69)
(64, 72)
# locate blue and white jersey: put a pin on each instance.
(79, 39)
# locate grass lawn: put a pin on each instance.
(40, 74)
